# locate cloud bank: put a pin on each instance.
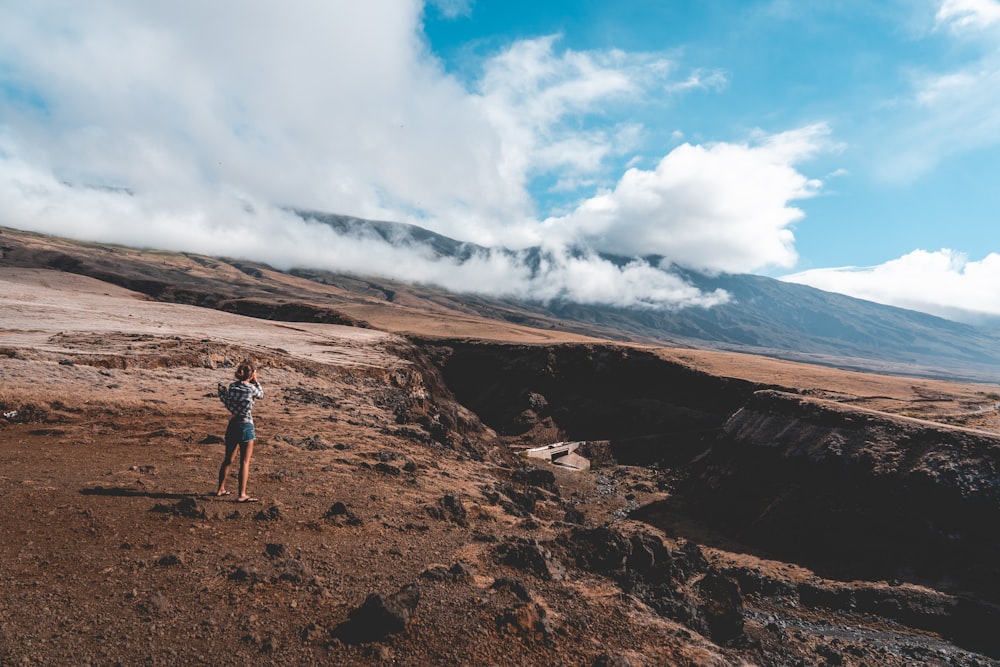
(943, 283)
(195, 127)
(717, 208)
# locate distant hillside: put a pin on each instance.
(765, 316)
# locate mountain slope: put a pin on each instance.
(765, 316)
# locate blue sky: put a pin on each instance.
(849, 145)
(852, 65)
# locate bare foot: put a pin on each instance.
(222, 492)
(247, 499)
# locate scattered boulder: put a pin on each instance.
(721, 606)
(457, 572)
(539, 477)
(515, 502)
(186, 507)
(514, 586)
(294, 571)
(155, 604)
(340, 515)
(380, 616)
(602, 550)
(312, 443)
(274, 550)
(525, 554)
(245, 574)
(387, 469)
(314, 633)
(527, 619)
(449, 508)
(170, 560)
(272, 513)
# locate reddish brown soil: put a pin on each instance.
(114, 551)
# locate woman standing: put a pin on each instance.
(238, 398)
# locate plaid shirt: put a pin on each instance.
(238, 398)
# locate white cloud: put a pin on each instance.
(949, 112)
(968, 14)
(238, 225)
(333, 106)
(944, 283)
(721, 207)
(453, 8)
(206, 120)
(700, 80)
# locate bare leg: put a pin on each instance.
(246, 452)
(227, 463)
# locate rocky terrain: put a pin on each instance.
(739, 509)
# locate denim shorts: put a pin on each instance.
(239, 431)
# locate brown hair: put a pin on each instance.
(245, 371)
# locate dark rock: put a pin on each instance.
(514, 586)
(518, 504)
(529, 555)
(539, 477)
(294, 571)
(457, 572)
(157, 603)
(436, 573)
(337, 509)
(721, 606)
(648, 553)
(272, 513)
(245, 574)
(387, 469)
(601, 550)
(314, 633)
(574, 515)
(274, 550)
(313, 443)
(186, 507)
(410, 467)
(854, 495)
(827, 597)
(169, 560)
(380, 616)
(449, 508)
(537, 402)
(691, 560)
(753, 582)
(340, 515)
(460, 571)
(527, 619)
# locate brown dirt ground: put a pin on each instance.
(116, 413)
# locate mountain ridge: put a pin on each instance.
(765, 316)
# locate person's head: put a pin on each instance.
(245, 371)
